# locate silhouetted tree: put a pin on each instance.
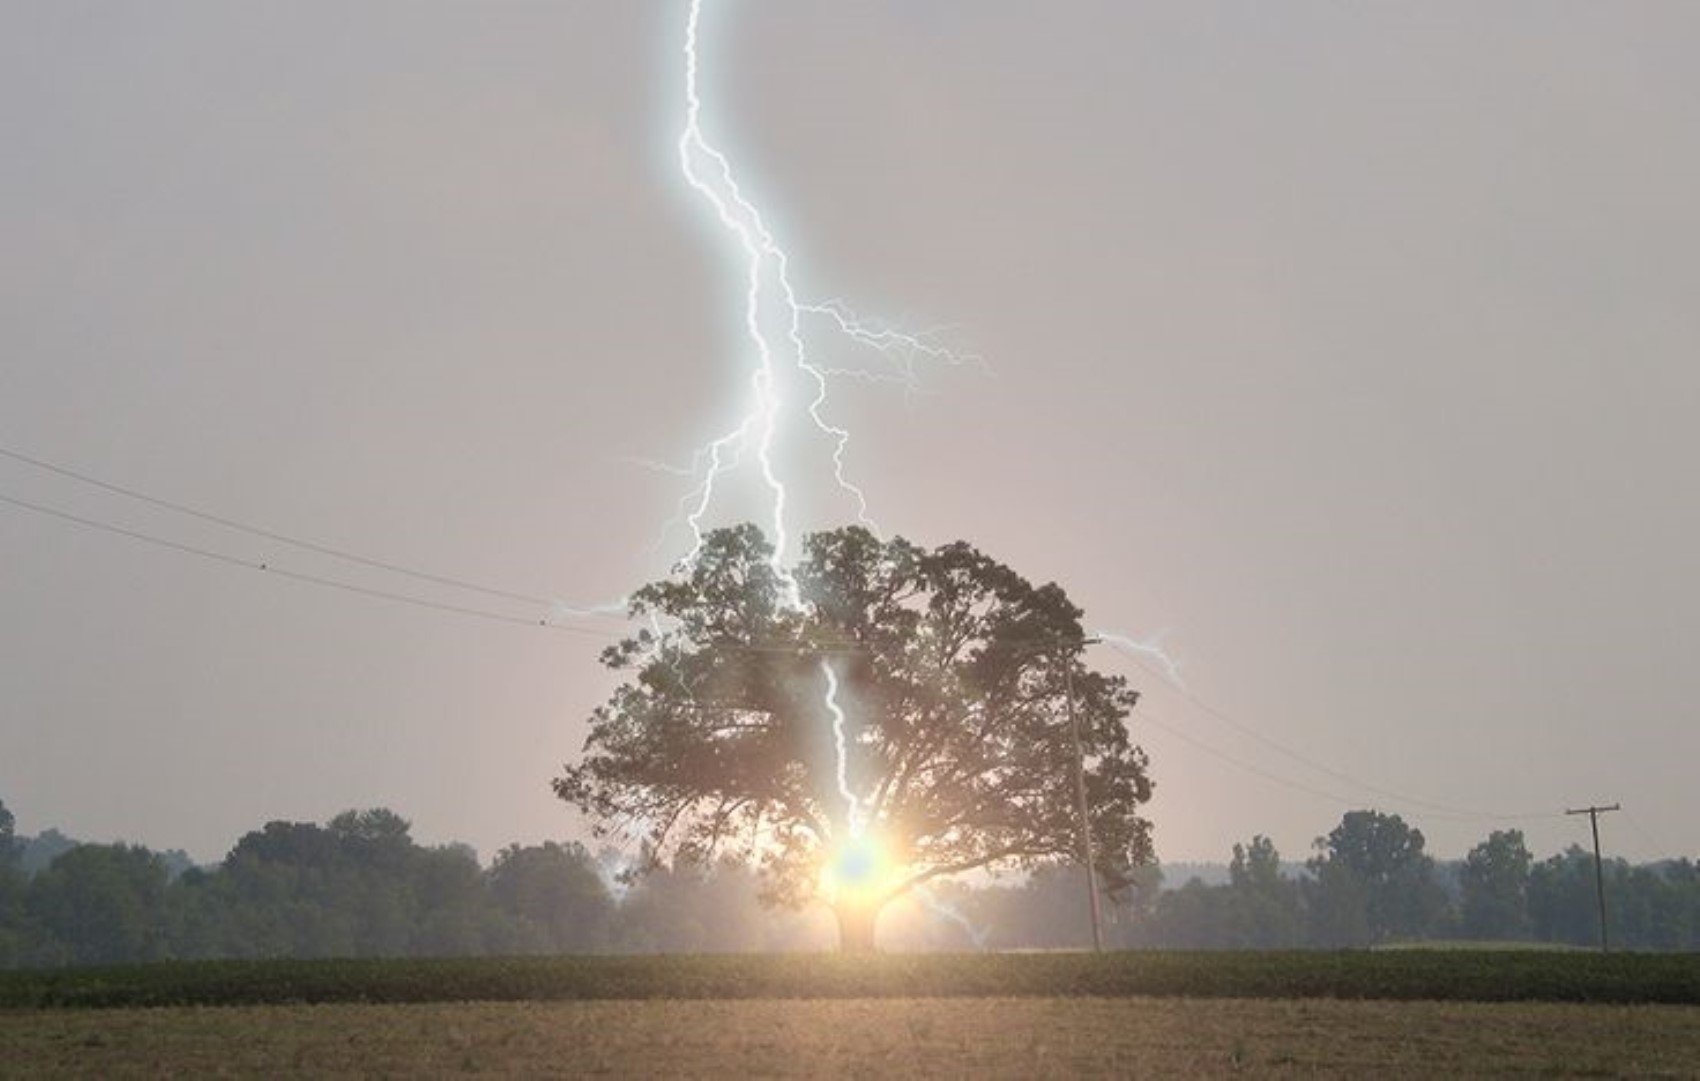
(1372, 882)
(9, 850)
(103, 904)
(1264, 902)
(1495, 885)
(951, 672)
(692, 908)
(556, 896)
(36, 854)
(14, 939)
(1561, 898)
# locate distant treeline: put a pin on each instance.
(359, 886)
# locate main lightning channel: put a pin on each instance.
(767, 281)
(709, 172)
(857, 817)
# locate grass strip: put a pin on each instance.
(1441, 975)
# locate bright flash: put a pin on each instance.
(859, 867)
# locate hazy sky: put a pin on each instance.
(1354, 345)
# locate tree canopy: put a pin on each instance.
(1494, 880)
(8, 839)
(943, 674)
(1373, 881)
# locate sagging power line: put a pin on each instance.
(489, 615)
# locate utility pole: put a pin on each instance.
(1085, 810)
(1594, 814)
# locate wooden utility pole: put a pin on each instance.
(1594, 814)
(1085, 810)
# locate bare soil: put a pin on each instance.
(872, 1038)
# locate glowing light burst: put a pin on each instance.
(860, 868)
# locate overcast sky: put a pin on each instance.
(1353, 345)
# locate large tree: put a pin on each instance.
(951, 673)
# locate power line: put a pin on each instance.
(1659, 847)
(273, 535)
(1286, 782)
(1386, 793)
(844, 649)
(298, 576)
(1283, 780)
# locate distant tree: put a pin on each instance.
(1195, 917)
(103, 904)
(14, 938)
(295, 843)
(1264, 902)
(555, 893)
(375, 892)
(1665, 914)
(693, 908)
(453, 914)
(1046, 911)
(177, 862)
(38, 852)
(1495, 885)
(1372, 882)
(9, 850)
(357, 886)
(951, 671)
(1562, 906)
(374, 838)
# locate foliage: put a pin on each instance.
(36, 854)
(953, 671)
(103, 903)
(1495, 879)
(1266, 907)
(1373, 881)
(9, 851)
(1459, 975)
(555, 893)
(359, 886)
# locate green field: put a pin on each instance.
(1439, 975)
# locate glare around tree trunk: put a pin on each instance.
(856, 927)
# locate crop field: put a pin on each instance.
(1343, 1014)
(890, 1037)
(1441, 975)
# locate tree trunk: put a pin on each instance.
(856, 927)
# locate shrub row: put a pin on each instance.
(1472, 975)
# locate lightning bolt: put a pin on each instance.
(709, 172)
(775, 321)
(857, 817)
(772, 301)
(944, 910)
